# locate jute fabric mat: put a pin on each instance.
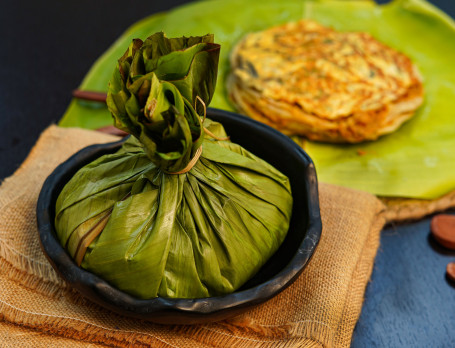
(405, 209)
(319, 310)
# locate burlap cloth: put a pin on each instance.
(319, 310)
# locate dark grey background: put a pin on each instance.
(47, 47)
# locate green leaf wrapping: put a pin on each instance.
(151, 233)
(199, 234)
(156, 90)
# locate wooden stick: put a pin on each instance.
(112, 130)
(98, 97)
(90, 95)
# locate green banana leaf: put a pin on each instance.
(133, 219)
(153, 90)
(184, 236)
(416, 161)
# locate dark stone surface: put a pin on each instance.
(46, 48)
(409, 301)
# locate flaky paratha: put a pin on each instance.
(306, 79)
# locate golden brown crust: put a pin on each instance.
(306, 79)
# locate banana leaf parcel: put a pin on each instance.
(179, 211)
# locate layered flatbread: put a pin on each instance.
(306, 79)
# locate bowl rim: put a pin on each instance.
(101, 292)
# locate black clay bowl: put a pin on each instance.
(277, 274)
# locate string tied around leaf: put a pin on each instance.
(191, 163)
(101, 97)
(209, 133)
(198, 152)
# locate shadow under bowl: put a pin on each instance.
(277, 274)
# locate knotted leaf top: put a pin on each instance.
(154, 95)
